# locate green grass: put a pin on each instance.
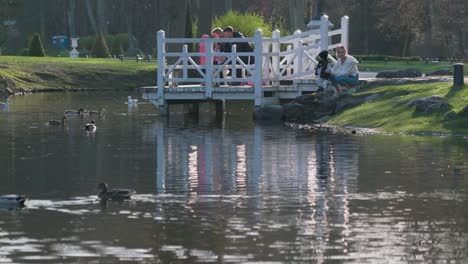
(390, 113)
(424, 67)
(63, 73)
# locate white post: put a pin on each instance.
(185, 61)
(297, 44)
(209, 69)
(258, 67)
(300, 57)
(324, 33)
(345, 32)
(288, 61)
(161, 68)
(275, 59)
(233, 61)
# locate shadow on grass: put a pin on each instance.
(454, 90)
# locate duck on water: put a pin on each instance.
(113, 194)
(12, 200)
(91, 126)
(57, 122)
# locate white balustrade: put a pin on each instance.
(276, 59)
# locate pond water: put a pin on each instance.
(230, 190)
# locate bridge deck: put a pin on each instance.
(271, 94)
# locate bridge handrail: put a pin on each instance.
(273, 62)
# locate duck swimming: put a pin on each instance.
(80, 111)
(131, 101)
(12, 200)
(99, 112)
(91, 126)
(57, 122)
(116, 194)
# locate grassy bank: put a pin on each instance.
(80, 73)
(389, 112)
(376, 66)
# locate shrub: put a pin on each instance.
(35, 46)
(116, 48)
(86, 43)
(122, 38)
(100, 49)
(245, 23)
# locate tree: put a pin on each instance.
(245, 23)
(100, 49)
(35, 46)
(117, 48)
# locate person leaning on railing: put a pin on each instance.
(241, 46)
(345, 72)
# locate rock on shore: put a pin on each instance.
(7, 87)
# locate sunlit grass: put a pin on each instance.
(51, 72)
(424, 67)
(390, 112)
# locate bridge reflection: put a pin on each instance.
(207, 161)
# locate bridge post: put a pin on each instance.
(324, 33)
(162, 106)
(258, 67)
(275, 59)
(185, 61)
(345, 32)
(234, 62)
(209, 69)
(297, 44)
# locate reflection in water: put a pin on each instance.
(224, 192)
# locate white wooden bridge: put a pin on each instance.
(284, 67)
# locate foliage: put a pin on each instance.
(390, 112)
(100, 49)
(23, 52)
(35, 46)
(116, 48)
(86, 43)
(246, 23)
(122, 38)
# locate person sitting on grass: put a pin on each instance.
(345, 72)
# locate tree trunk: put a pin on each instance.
(102, 17)
(131, 43)
(71, 18)
(91, 16)
(296, 14)
(42, 20)
(205, 17)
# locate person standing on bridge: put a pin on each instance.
(344, 72)
(242, 46)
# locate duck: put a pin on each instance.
(91, 126)
(131, 101)
(99, 112)
(13, 200)
(114, 194)
(57, 122)
(80, 111)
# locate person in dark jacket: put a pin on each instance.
(322, 69)
(229, 32)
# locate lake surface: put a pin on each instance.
(223, 191)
